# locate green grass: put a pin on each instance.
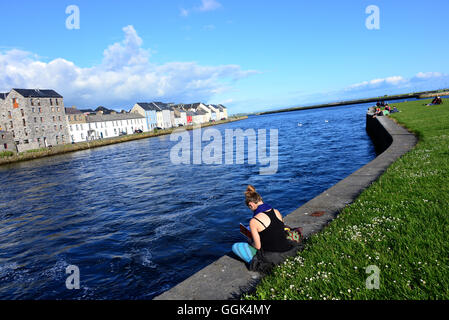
(4, 154)
(400, 224)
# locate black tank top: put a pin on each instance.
(273, 238)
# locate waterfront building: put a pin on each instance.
(215, 112)
(200, 116)
(223, 112)
(78, 126)
(7, 142)
(180, 116)
(168, 115)
(189, 116)
(149, 111)
(34, 117)
(197, 107)
(114, 124)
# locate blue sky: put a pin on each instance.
(249, 55)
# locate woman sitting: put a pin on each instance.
(270, 245)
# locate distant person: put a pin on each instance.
(270, 245)
(379, 112)
(394, 110)
(435, 101)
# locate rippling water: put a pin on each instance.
(136, 225)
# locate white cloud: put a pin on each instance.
(126, 75)
(209, 5)
(206, 5)
(419, 82)
(184, 12)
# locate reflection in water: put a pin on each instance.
(136, 225)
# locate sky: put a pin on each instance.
(247, 55)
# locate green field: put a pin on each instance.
(400, 224)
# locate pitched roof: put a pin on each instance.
(162, 105)
(3, 95)
(72, 111)
(113, 117)
(200, 112)
(38, 93)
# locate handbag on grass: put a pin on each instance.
(294, 234)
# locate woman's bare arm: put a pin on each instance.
(256, 238)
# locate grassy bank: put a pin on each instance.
(399, 224)
(9, 157)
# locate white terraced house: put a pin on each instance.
(98, 126)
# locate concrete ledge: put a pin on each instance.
(228, 277)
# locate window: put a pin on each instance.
(5, 146)
(9, 115)
(35, 119)
(32, 110)
(59, 118)
(71, 128)
(11, 124)
(74, 117)
(77, 128)
(81, 126)
(82, 135)
(26, 133)
(32, 102)
(51, 102)
(54, 118)
(40, 110)
(26, 141)
(24, 122)
(60, 127)
(57, 103)
(38, 102)
(55, 127)
(15, 104)
(42, 119)
(57, 109)
(23, 113)
(52, 109)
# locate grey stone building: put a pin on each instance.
(35, 118)
(7, 142)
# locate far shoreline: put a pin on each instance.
(417, 95)
(68, 148)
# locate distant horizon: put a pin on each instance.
(250, 57)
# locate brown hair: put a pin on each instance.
(251, 195)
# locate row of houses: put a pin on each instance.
(34, 118)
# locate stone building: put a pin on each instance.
(7, 142)
(35, 118)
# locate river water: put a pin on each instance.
(135, 224)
